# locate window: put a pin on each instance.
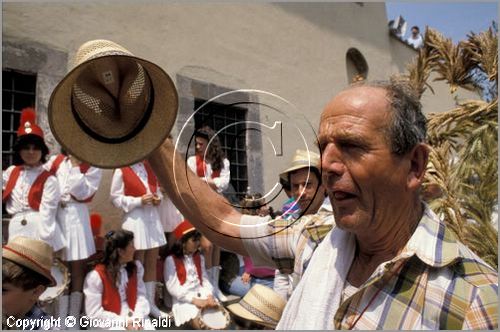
(18, 92)
(232, 137)
(357, 67)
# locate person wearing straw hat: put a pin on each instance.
(30, 192)
(135, 190)
(374, 158)
(26, 265)
(186, 277)
(315, 213)
(78, 182)
(260, 308)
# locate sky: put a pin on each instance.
(452, 19)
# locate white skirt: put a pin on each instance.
(28, 224)
(74, 220)
(145, 223)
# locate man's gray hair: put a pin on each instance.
(409, 125)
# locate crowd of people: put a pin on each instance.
(356, 248)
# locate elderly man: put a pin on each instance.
(390, 263)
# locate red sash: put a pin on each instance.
(201, 166)
(110, 295)
(84, 167)
(36, 191)
(181, 269)
(133, 185)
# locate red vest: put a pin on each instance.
(36, 191)
(110, 295)
(84, 167)
(201, 166)
(181, 269)
(133, 185)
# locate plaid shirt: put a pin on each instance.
(293, 243)
(435, 283)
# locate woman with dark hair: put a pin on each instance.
(31, 193)
(114, 290)
(211, 165)
(185, 276)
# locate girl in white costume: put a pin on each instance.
(31, 193)
(78, 182)
(135, 190)
(211, 165)
(114, 290)
(186, 277)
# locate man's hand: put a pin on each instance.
(246, 277)
(147, 199)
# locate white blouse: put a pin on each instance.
(93, 289)
(73, 183)
(18, 201)
(191, 288)
(128, 203)
(221, 182)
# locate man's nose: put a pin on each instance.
(331, 161)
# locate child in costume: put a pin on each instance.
(30, 192)
(186, 277)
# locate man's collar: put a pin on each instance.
(433, 242)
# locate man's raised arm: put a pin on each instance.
(208, 211)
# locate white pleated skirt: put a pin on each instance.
(28, 224)
(145, 223)
(74, 220)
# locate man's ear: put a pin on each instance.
(419, 157)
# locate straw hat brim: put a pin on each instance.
(12, 256)
(239, 311)
(284, 174)
(75, 141)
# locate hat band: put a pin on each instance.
(28, 258)
(122, 139)
(256, 312)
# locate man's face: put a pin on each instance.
(304, 186)
(200, 145)
(17, 301)
(414, 32)
(364, 180)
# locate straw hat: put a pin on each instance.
(113, 109)
(261, 305)
(301, 159)
(33, 254)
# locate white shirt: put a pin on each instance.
(73, 183)
(128, 203)
(221, 182)
(18, 200)
(93, 290)
(416, 42)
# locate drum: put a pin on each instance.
(212, 319)
(60, 273)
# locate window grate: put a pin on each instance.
(232, 137)
(18, 92)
